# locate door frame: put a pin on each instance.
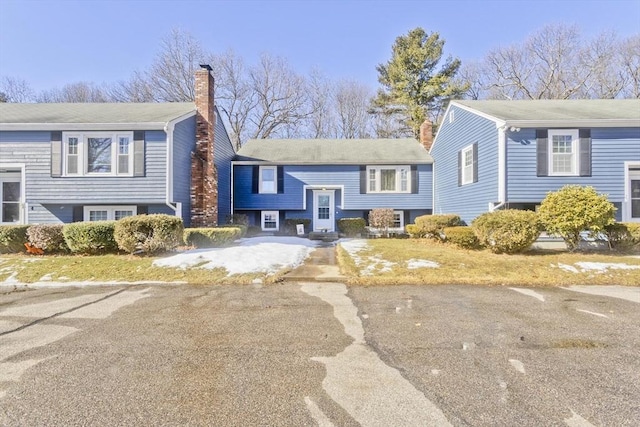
(332, 207)
(15, 172)
(629, 175)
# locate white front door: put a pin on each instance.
(634, 195)
(323, 208)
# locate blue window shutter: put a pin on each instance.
(363, 180)
(280, 173)
(475, 162)
(414, 179)
(78, 214)
(255, 179)
(585, 152)
(142, 209)
(460, 168)
(407, 217)
(56, 154)
(138, 153)
(542, 152)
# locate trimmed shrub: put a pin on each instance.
(149, 233)
(352, 226)
(574, 209)
(93, 237)
(211, 237)
(432, 226)
(290, 225)
(13, 238)
(623, 236)
(47, 237)
(243, 228)
(382, 219)
(507, 231)
(462, 237)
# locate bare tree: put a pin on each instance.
(74, 92)
(557, 63)
(14, 89)
(321, 121)
(352, 101)
(629, 54)
(137, 89)
(281, 98)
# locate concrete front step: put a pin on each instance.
(329, 236)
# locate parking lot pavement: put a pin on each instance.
(318, 354)
(501, 356)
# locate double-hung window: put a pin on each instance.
(268, 179)
(98, 153)
(388, 179)
(270, 220)
(108, 213)
(467, 165)
(563, 152)
(398, 220)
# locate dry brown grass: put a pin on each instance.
(458, 266)
(121, 268)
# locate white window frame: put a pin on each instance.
(111, 211)
(263, 215)
(83, 153)
(263, 190)
(14, 176)
(575, 153)
(377, 172)
(467, 169)
(401, 215)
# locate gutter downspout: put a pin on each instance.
(502, 169)
(232, 169)
(168, 130)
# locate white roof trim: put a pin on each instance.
(573, 123)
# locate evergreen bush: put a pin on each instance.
(291, 223)
(93, 237)
(623, 236)
(575, 209)
(211, 237)
(13, 238)
(352, 226)
(507, 231)
(432, 226)
(149, 234)
(462, 237)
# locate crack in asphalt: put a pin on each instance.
(42, 319)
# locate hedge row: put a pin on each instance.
(146, 234)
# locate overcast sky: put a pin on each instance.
(50, 43)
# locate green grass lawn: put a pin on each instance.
(458, 266)
(126, 268)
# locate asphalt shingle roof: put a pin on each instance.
(80, 113)
(559, 110)
(334, 151)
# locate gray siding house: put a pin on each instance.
(61, 163)
(324, 180)
(494, 154)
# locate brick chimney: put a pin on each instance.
(204, 176)
(426, 134)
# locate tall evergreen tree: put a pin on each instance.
(416, 83)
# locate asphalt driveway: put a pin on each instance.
(318, 354)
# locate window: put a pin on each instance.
(563, 152)
(398, 220)
(467, 165)
(270, 220)
(98, 153)
(108, 213)
(388, 179)
(268, 179)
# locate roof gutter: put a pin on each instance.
(82, 126)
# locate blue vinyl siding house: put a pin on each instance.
(62, 163)
(324, 180)
(510, 154)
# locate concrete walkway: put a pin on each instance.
(321, 266)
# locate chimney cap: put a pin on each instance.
(206, 67)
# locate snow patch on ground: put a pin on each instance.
(413, 264)
(253, 255)
(598, 267)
